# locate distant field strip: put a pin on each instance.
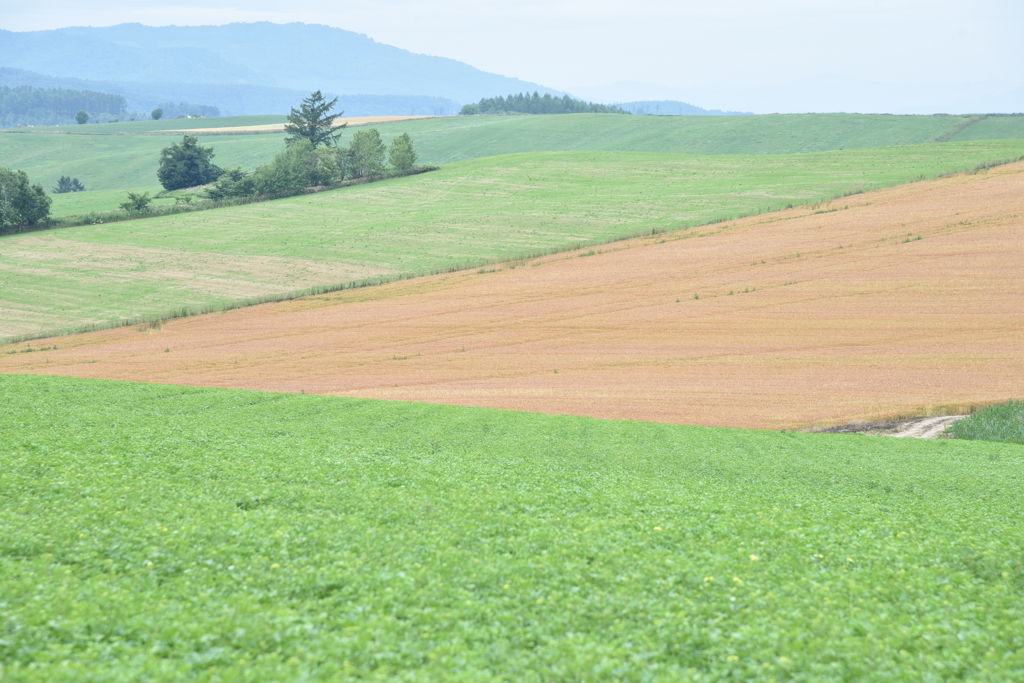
(109, 156)
(902, 301)
(279, 127)
(464, 214)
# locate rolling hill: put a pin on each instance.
(465, 214)
(113, 156)
(898, 301)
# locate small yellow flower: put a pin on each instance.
(275, 566)
(754, 558)
(737, 580)
(785, 660)
(849, 559)
(708, 579)
(149, 564)
(732, 658)
(657, 528)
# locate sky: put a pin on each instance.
(897, 56)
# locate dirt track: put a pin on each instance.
(908, 299)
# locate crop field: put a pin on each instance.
(495, 208)
(897, 302)
(444, 140)
(154, 533)
(125, 155)
(115, 161)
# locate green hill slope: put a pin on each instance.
(176, 533)
(111, 156)
(464, 214)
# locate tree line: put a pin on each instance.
(524, 103)
(53, 106)
(311, 158)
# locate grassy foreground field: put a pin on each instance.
(164, 533)
(494, 208)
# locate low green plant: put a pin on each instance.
(1003, 422)
(154, 532)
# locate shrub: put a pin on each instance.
(234, 182)
(157, 113)
(296, 167)
(137, 202)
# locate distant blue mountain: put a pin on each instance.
(297, 58)
(674, 108)
(236, 100)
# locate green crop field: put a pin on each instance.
(444, 140)
(495, 208)
(154, 532)
(125, 155)
(113, 162)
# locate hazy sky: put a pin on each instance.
(940, 50)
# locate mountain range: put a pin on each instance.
(253, 68)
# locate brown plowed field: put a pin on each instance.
(897, 301)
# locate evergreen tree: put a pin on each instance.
(66, 184)
(186, 165)
(313, 121)
(401, 155)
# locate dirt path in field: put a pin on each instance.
(350, 121)
(910, 428)
(899, 301)
(927, 427)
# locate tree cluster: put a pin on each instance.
(21, 204)
(171, 110)
(186, 164)
(67, 184)
(52, 106)
(299, 166)
(524, 103)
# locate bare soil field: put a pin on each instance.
(279, 127)
(897, 302)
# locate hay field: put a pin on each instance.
(896, 301)
(466, 213)
(350, 121)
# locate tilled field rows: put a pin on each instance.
(891, 302)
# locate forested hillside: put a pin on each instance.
(25, 105)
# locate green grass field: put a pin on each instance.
(1003, 422)
(495, 208)
(158, 533)
(150, 126)
(118, 156)
(119, 162)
